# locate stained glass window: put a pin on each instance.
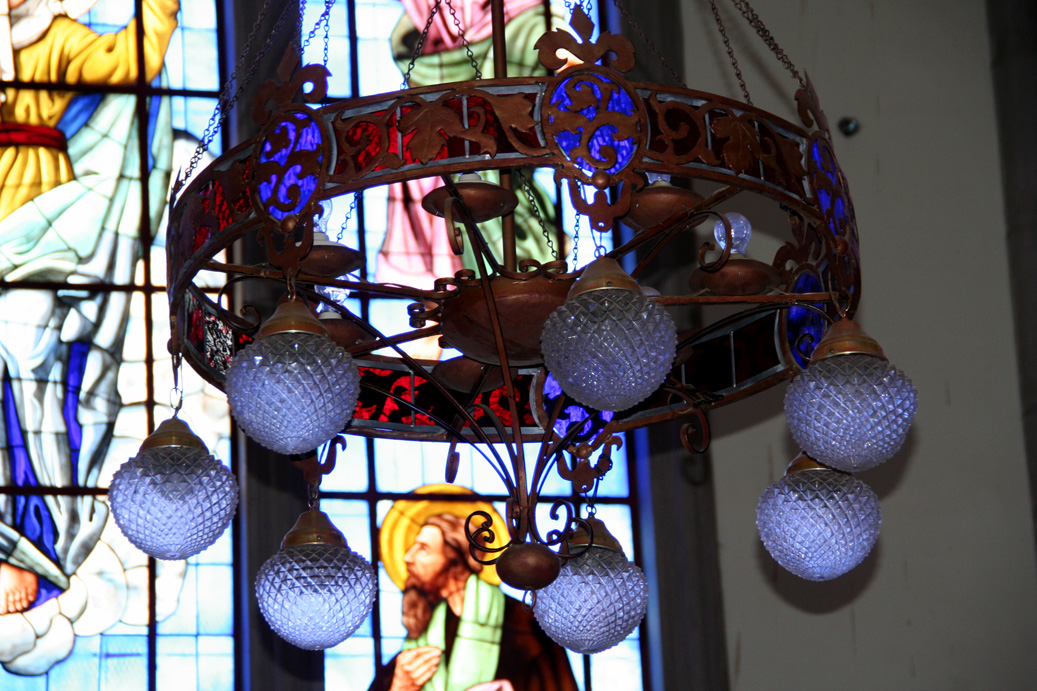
(372, 474)
(86, 371)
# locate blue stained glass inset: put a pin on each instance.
(574, 414)
(805, 327)
(302, 135)
(603, 143)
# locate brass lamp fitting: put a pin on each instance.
(802, 463)
(602, 537)
(846, 337)
(601, 274)
(292, 316)
(173, 432)
(313, 528)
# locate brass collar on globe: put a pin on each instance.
(604, 273)
(313, 528)
(173, 432)
(804, 463)
(602, 538)
(292, 316)
(846, 337)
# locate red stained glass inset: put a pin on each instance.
(397, 397)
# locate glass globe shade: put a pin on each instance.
(850, 412)
(172, 502)
(818, 524)
(292, 392)
(597, 600)
(741, 232)
(609, 349)
(315, 595)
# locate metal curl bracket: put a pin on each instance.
(313, 469)
(713, 267)
(695, 435)
(453, 233)
(582, 473)
(480, 539)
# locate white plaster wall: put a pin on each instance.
(948, 600)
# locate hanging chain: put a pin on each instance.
(527, 187)
(327, 38)
(419, 45)
(761, 30)
(576, 231)
(730, 51)
(584, 5)
(464, 41)
(322, 21)
(226, 101)
(648, 42)
(313, 495)
(349, 214)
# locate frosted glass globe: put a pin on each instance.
(172, 502)
(314, 595)
(850, 412)
(597, 600)
(609, 349)
(818, 524)
(292, 392)
(741, 232)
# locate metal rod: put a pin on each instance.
(500, 71)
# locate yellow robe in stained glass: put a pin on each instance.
(70, 52)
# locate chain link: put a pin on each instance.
(419, 45)
(576, 230)
(226, 101)
(527, 187)
(648, 42)
(464, 41)
(322, 21)
(730, 51)
(761, 30)
(349, 214)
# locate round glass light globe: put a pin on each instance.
(597, 600)
(292, 392)
(850, 412)
(818, 524)
(315, 596)
(172, 502)
(609, 349)
(741, 232)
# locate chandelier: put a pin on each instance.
(566, 360)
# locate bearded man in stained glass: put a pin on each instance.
(70, 213)
(463, 632)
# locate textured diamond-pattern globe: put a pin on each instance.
(850, 412)
(818, 524)
(596, 601)
(292, 392)
(315, 596)
(172, 502)
(609, 349)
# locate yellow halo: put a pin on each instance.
(407, 516)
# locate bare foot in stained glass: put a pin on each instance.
(18, 589)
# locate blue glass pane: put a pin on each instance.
(349, 664)
(619, 667)
(124, 662)
(350, 473)
(353, 519)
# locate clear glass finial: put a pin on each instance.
(741, 232)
